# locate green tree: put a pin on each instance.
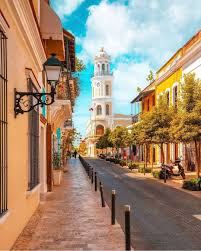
(186, 126)
(150, 77)
(154, 127)
(79, 65)
(120, 137)
(139, 89)
(104, 141)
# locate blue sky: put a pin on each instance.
(138, 34)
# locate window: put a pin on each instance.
(3, 124)
(153, 100)
(107, 68)
(154, 154)
(142, 106)
(33, 142)
(175, 96)
(107, 109)
(44, 107)
(107, 90)
(103, 67)
(99, 110)
(168, 97)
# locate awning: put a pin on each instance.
(51, 31)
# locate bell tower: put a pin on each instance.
(101, 93)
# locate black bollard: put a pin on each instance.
(101, 192)
(113, 207)
(92, 175)
(89, 171)
(165, 178)
(95, 180)
(127, 228)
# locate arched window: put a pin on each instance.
(98, 69)
(168, 97)
(103, 67)
(107, 90)
(99, 110)
(99, 130)
(175, 94)
(107, 109)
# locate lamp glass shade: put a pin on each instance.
(53, 73)
(53, 68)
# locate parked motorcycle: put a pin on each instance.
(167, 171)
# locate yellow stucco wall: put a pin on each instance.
(169, 82)
(161, 88)
(21, 205)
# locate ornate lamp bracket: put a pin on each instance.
(26, 101)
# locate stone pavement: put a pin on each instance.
(71, 218)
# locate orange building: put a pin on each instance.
(144, 102)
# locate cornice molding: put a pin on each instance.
(24, 20)
(192, 52)
(3, 23)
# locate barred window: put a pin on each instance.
(3, 125)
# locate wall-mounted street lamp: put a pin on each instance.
(26, 101)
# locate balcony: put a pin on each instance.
(103, 73)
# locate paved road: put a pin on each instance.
(162, 216)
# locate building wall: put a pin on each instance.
(21, 203)
(148, 102)
(170, 150)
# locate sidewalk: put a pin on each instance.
(71, 217)
(174, 182)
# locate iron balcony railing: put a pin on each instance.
(103, 73)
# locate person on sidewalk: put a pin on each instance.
(75, 154)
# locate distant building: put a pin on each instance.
(102, 116)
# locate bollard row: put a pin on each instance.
(94, 179)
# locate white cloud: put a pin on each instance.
(127, 77)
(150, 30)
(66, 7)
(154, 29)
(108, 25)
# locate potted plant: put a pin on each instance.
(57, 169)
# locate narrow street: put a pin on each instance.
(71, 218)
(162, 217)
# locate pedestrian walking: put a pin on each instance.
(75, 154)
